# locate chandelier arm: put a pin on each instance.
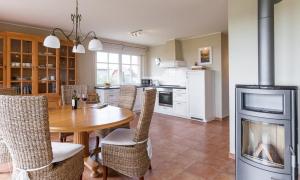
(62, 31)
(88, 34)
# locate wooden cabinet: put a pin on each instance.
(2, 60)
(31, 68)
(47, 70)
(68, 65)
(20, 63)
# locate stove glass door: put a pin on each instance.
(263, 143)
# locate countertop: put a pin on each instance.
(142, 86)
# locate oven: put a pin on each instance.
(165, 97)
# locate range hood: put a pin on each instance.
(173, 57)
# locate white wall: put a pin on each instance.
(86, 70)
(243, 48)
(190, 55)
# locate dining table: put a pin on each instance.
(86, 119)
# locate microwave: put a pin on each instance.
(146, 82)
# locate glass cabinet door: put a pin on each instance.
(263, 143)
(46, 69)
(63, 65)
(20, 59)
(2, 66)
(71, 66)
(67, 65)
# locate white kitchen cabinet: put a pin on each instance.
(201, 95)
(180, 109)
(180, 103)
(109, 96)
(112, 96)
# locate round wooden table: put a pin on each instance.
(87, 119)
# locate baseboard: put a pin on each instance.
(222, 118)
(231, 156)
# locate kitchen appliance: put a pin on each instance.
(200, 87)
(146, 82)
(165, 96)
(266, 115)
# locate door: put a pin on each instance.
(196, 90)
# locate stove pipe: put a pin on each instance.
(266, 42)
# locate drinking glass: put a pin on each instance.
(84, 99)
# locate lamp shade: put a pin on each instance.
(78, 49)
(95, 45)
(51, 41)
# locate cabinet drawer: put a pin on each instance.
(180, 95)
(112, 92)
(180, 109)
(179, 91)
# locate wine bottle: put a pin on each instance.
(74, 100)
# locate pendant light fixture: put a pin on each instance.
(95, 44)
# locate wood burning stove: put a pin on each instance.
(266, 133)
(266, 115)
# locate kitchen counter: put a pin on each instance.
(141, 86)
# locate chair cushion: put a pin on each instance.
(124, 137)
(63, 151)
(120, 136)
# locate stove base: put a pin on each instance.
(248, 172)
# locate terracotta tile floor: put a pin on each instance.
(184, 150)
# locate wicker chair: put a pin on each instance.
(24, 119)
(67, 92)
(66, 98)
(127, 100)
(4, 154)
(128, 151)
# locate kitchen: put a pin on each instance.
(182, 92)
(215, 83)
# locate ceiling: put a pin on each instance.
(161, 20)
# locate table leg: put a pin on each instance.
(83, 138)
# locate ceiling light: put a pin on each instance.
(136, 33)
(95, 44)
(79, 48)
(52, 41)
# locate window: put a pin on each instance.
(131, 69)
(117, 69)
(108, 68)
